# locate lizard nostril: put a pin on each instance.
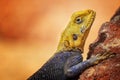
(75, 36)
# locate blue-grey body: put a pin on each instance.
(62, 66)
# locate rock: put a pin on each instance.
(108, 40)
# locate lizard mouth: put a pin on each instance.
(86, 27)
(91, 20)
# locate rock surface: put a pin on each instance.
(108, 40)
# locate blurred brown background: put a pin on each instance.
(30, 31)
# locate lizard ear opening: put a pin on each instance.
(75, 37)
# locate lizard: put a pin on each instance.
(67, 62)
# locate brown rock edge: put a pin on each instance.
(108, 40)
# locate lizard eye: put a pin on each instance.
(78, 20)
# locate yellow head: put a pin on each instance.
(76, 32)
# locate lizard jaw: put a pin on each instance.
(86, 28)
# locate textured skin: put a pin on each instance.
(76, 32)
(54, 71)
(57, 66)
(67, 62)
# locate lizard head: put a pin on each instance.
(76, 32)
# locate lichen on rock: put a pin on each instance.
(108, 40)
